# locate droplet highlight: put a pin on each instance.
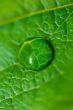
(36, 54)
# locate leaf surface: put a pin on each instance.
(11, 10)
(51, 88)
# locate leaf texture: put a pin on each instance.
(51, 88)
(11, 10)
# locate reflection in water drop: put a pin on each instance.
(30, 60)
(36, 54)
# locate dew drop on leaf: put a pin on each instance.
(36, 53)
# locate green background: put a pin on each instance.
(51, 88)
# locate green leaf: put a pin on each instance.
(11, 10)
(52, 87)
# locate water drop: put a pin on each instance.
(36, 53)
